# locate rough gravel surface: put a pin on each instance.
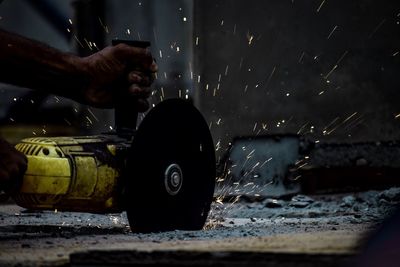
(34, 238)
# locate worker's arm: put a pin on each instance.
(98, 80)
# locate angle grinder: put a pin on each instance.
(162, 174)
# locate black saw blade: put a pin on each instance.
(170, 174)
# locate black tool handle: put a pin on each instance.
(125, 111)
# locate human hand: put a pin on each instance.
(13, 165)
(117, 73)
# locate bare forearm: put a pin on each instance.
(31, 64)
(115, 72)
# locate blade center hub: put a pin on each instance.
(173, 179)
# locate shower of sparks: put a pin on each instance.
(376, 28)
(349, 118)
(241, 63)
(105, 27)
(249, 38)
(326, 130)
(270, 77)
(155, 35)
(251, 154)
(222, 22)
(302, 128)
(70, 21)
(301, 57)
(77, 40)
(226, 70)
(306, 163)
(397, 116)
(162, 92)
(355, 122)
(218, 145)
(336, 65)
(89, 120)
(320, 6)
(197, 41)
(88, 44)
(395, 53)
(330, 34)
(264, 126)
(94, 116)
(265, 162)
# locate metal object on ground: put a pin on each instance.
(258, 166)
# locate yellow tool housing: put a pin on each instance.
(72, 173)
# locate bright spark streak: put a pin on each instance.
(251, 154)
(270, 76)
(91, 113)
(330, 34)
(301, 56)
(376, 28)
(351, 116)
(320, 6)
(336, 65)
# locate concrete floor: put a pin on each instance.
(331, 225)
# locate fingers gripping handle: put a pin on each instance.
(125, 111)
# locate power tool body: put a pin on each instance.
(162, 174)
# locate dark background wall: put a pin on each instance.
(328, 69)
(324, 68)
